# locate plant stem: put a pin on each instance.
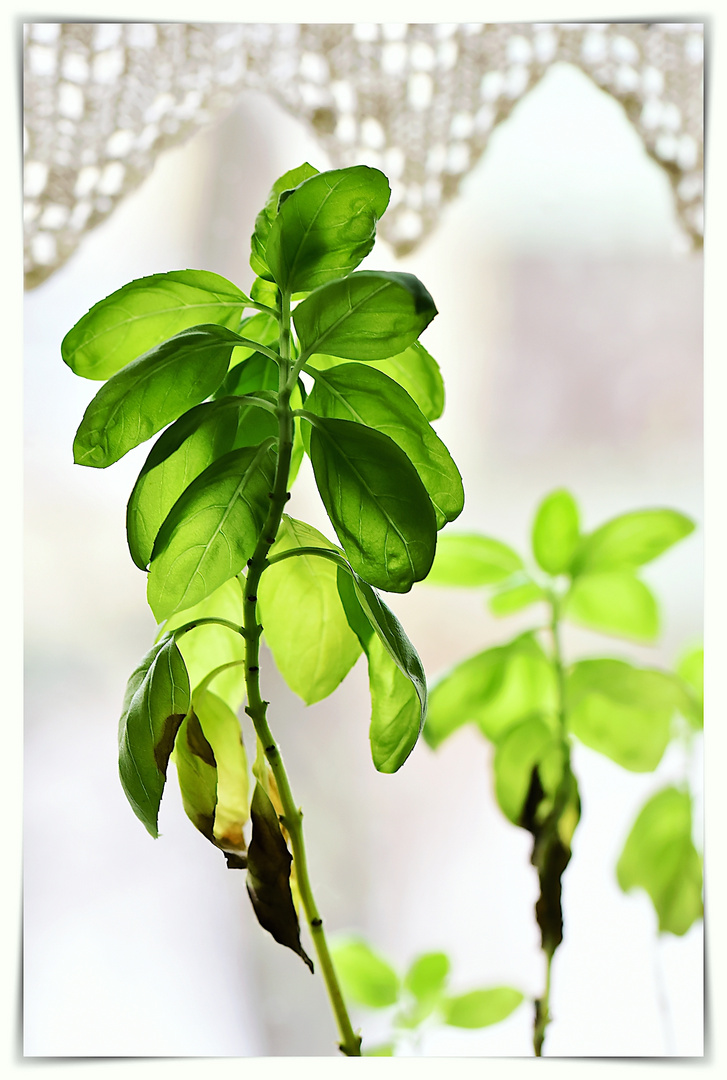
(549, 853)
(542, 1009)
(256, 708)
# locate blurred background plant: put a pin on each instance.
(529, 700)
(420, 998)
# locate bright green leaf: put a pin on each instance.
(622, 711)
(305, 625)
(156, 700)
(614, 602)
(382, 1050)
(377, 504)
(659, 856)
(427, 976)
(268, 877)
(396, 715)
(365, 975)
(143, 314)
(211, 531)
(690, 670)
(152, 391)
(266, 217)
(480, 1008)
(630, 540)
(358, 393)
(515, 597)
(261, 329)
(367, 605)
(265, 292)
(258, 372)
(414, 369)
(493, 689)
(325, 227)
(396, 684)
(468, 559)
(211, 645)
(180, 454)
(556, 532)
(519, 749)
(370, 315)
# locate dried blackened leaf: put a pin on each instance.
(268, 876)
(551, 825)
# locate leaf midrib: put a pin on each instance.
(108, 417)
(309, 228)
(228, 510)
(88, 341)
(352, 307)
(376, 501)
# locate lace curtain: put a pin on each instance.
(420, 101)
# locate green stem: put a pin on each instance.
(256, 708)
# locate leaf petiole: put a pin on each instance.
(207, 619)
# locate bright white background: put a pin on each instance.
(569, 336)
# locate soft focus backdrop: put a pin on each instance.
(570, 339)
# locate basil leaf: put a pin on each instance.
(370, 315)
(363, 606)
(468, 559)
(364, 974)
(156, 700)
(261, 328)
(211, 645)
(143, 314)
(211, 531)
(427, 976)
(517, 752)
(515, 597)
(152, 391)
(480, 1008)
(268, 877)
(259, 372)
(614, 602)
(305, 625)
(365, 396)
(660, 857)
(622, 711)
(396, 677)
(197, 775)
(377, 504)
(630, 540)
(556, 532)
(221, 729)
(690, 670)
(325, 227)
(418, 372)
(180, 454)
(494, 689)
(396, 714)
(413, 369)
(266, 217)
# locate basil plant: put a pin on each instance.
(218, 376)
